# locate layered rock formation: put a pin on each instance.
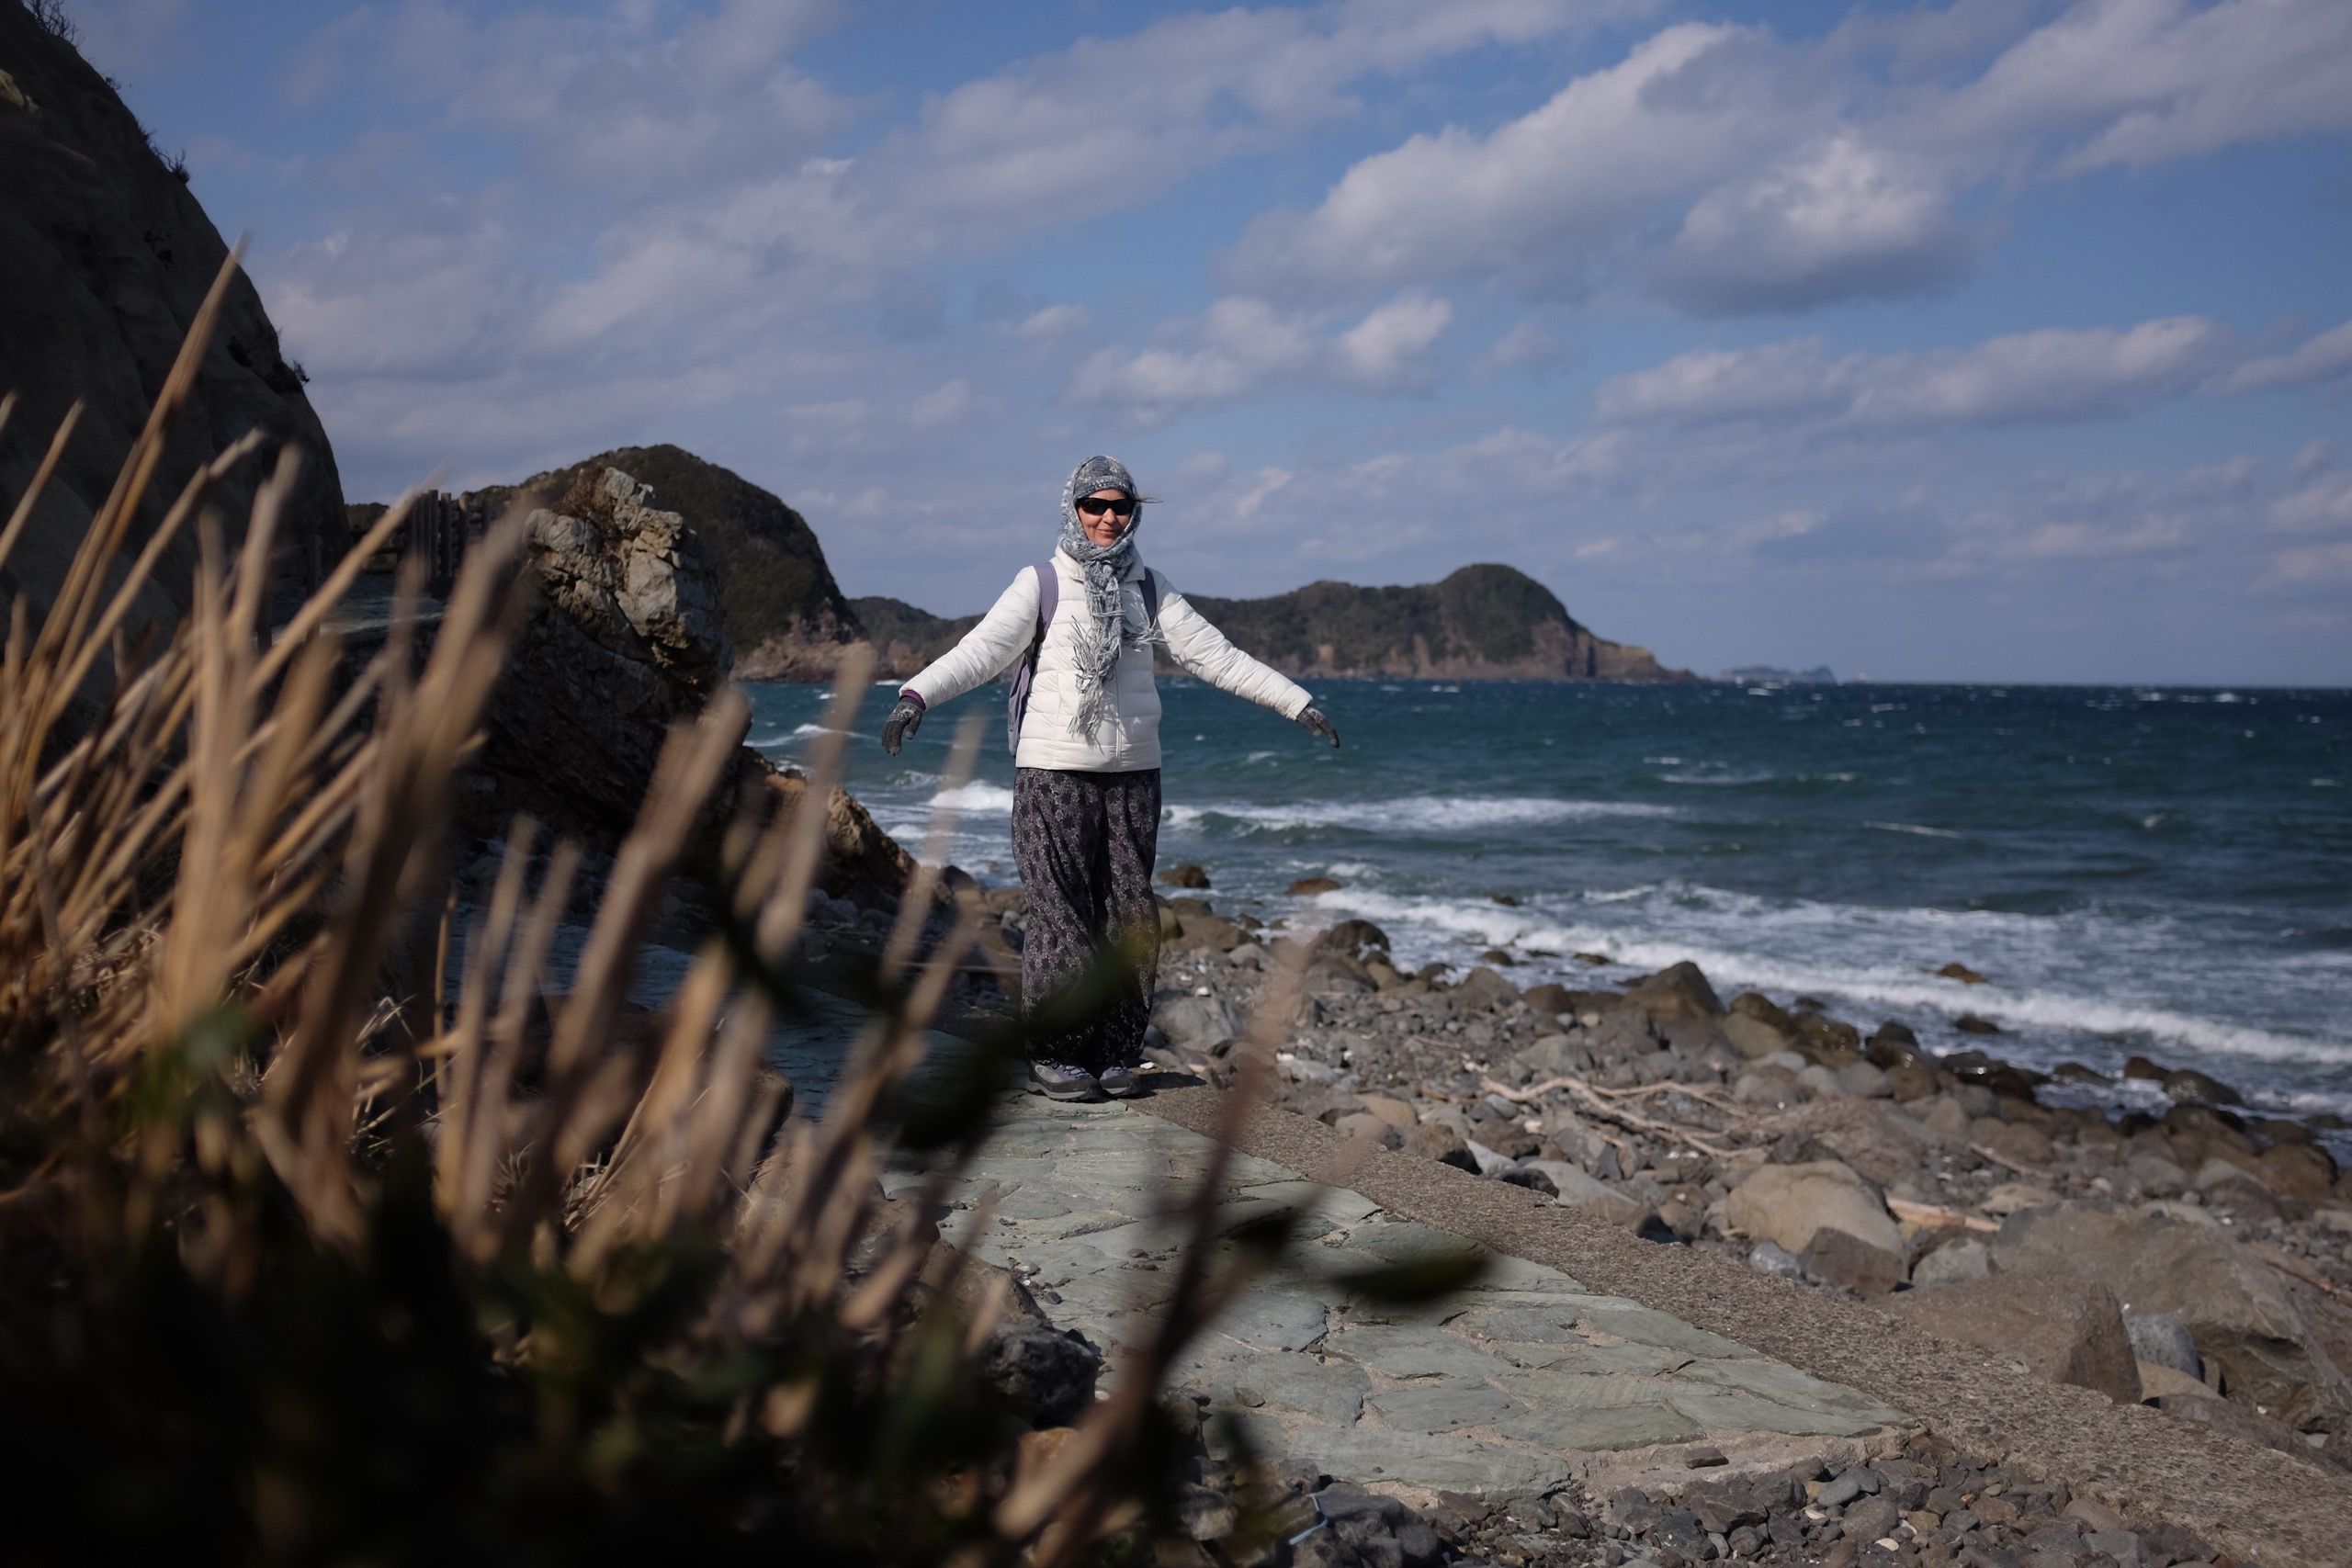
(625, 639)
(105, 256)
(1492, 623)
(777, 603)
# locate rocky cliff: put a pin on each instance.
(628, 638)
(105, 256)
(1490, 623)
(778, 605)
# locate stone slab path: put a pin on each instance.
(1508, 1388)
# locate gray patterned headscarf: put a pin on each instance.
(1117, 619)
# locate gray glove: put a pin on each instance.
(1318, 725)
(904, 720)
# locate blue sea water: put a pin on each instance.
(2164, 872)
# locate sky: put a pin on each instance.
(1996, 340)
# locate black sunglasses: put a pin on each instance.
(1096, 508)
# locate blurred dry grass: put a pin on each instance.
(294, 1267)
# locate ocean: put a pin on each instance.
(2133, 870)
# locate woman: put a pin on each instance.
(1086, 791)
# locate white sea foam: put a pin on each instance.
(827, 729)
(975, 797)
(1913, 827)
(1417, 813)
(2043, 1008)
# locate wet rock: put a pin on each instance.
(2066, 1332)
(2188, 1087)
(1969, 1024)
(1189, 875)
(1308, 887)
(1962, 972)
(1892, 1045)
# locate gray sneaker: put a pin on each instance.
(1121, 1082)
(1060, 1080)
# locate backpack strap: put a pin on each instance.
(1151, 597)
(1050, 593)
(1024, 674)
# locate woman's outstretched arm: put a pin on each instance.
(1003, 635)
(1204, 652)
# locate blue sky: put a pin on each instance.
(1996, 340)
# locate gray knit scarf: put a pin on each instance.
(1117, 619)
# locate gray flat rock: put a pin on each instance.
(1600, 1429)
(1272, 1318)
(1731, 1410)
(1412, 1459)
(1442, 1407)
(1330, 1393)
(1402, 1351)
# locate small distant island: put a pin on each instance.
(789, 621)
(1756, 674)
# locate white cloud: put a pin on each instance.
(2314, 566)
(1246, 344)
(1776, 380)
(2322, 505)
(2054, 374)
(1263, 489)
(1534, 196)
(1528, 345)
(1839, 219)
(1052, 321)
(1386, 345)
(2322, 358)
(2142, 82)
(943, 404)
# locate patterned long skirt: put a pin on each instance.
(1084, 844)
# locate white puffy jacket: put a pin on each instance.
(1130, 741)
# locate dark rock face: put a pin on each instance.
(625, 639)
(1482, 623)
(105, 256)
(776, 602)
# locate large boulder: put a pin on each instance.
(1194, 1023)
(1680, 990)
(2243, 1313)
(1790, 1205)
(1483, 988)
(2067, 1331)
(624, 641)
(105, 257)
